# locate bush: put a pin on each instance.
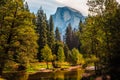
(75, 57)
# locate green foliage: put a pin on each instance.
(10, 66)
(57, 35)
(17, 34)
(76, 57)
(41, 25)
(51, 39)
(24, 41)
(72, 38)
(66, 51)
(68, 36)
(98, 38)
(100, 35)
(89, 61)
(56, 46)
(51, 23)
(46, 53)
(60, 54)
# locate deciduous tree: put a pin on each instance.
(46, 54)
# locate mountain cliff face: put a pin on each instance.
(66, 15)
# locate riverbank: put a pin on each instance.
(42, 72)
(75, 72)
(70, 68)
(86, 74)
(88, 71)
(42, 67)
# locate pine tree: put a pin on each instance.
(66, 51)
(100, 30)
(17, 35)
(93, 32)
(68, 36)
(51, 39)
(41, 30)
(57, 35)
(112, 30)
(75, 39)
(72, 38)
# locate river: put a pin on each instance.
(54, 75)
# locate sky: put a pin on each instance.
(50, 6)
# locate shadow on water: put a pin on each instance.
(21, 75)
(77, 74)
(55, 75)
(58, 75)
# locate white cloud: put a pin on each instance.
(50, 6)
(76, 4)
(118, 1)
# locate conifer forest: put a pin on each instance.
(29, 42)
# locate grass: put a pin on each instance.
(65, 65)
(37, 66)
(33, 67)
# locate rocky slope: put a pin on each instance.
(66, 15)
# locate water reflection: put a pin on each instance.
(58, 75)
(21, 75)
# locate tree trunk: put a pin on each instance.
(2, 67)
(47, 65)
(53, 63)
(1, 70)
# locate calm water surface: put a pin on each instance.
(58, 75)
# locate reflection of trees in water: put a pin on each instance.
(58, 75)
(68, 75)
(21, 75)
(79, 74)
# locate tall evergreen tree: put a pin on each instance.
(93, 31)
(51, 23)
(100, 30)
(51, 39)
(68, 36)
(112, 30)
(57, 35)
(72, 38)
(66, 52)
(42, 30)
(17, 35)
(75, 39)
